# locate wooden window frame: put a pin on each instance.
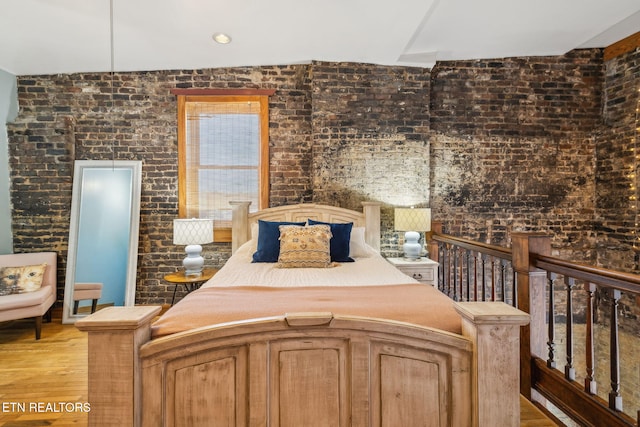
(185, 96)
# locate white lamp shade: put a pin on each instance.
(412, 219)
(194, 231)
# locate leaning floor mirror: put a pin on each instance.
(103, 236)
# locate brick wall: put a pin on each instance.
(513, 147)
(67, 117)
(491, 146)
(618, 148)
(617, 194)
(371, 138)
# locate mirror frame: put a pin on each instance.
(132, 263)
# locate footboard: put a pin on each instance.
(311, 369)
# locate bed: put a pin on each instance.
(271, 344)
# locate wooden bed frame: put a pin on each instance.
(311, 369)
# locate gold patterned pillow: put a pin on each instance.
(18, 280)
(304, 247)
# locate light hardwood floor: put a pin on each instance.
(50, 371)
(44, 383)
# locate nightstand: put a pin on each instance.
(424, 270)
(191, 283)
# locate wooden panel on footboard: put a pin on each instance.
(341, 372)
(311, 369)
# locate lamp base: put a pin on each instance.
(412, 249)
(193, 263)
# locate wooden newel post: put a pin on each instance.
(532, 285)
(432, 245)
(115, 337)
(494, 330)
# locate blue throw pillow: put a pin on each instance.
(268, 249)
(339, 243)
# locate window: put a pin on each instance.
(223, 153)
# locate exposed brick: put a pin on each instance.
(68, 117)
(514, 141)
(492, 146)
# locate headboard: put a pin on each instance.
(368, 218)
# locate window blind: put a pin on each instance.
(222, 158)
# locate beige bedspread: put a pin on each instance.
(413, 303)
(369, 270)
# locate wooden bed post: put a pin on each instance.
(494, 329)
(114, 383)
(239, 217)
(371, 212)
(531, 299)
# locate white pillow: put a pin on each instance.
(357, 245)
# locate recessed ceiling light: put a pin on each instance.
(221, 38)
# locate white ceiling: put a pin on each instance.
(66, 36)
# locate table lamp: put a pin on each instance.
(193, 233)
(413, 221)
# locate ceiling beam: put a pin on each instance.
(623, 46)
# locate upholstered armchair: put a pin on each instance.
(20, 295)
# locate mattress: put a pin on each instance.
(369, 287)
(418, 304)
(369, 269)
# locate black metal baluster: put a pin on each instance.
(455, 274)
(445, 272)
(503, 285)
(441, 267)
(475, 276)
(484, 276)
(514, 286)
(569, 371)
(468, 278)
(447, 275)
(460, 274)
(590, 385)
(615, 400)
(493, 278)
(551, 363)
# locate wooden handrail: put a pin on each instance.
(497, 251)
(597, 275)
